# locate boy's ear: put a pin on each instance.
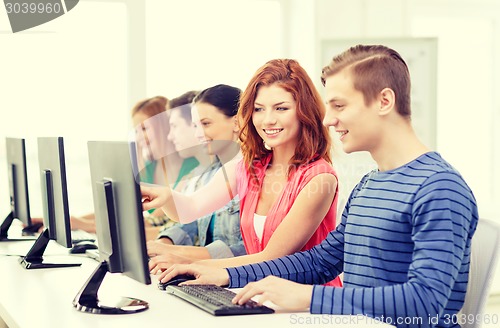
(236, 126)
(387, 101)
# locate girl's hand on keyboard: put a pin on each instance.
(204, 274)
(284, 293)
(160, 263)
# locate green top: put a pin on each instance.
(187, 166)
(148, 173)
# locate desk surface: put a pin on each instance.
(43, 298)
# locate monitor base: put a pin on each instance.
(87, 301)
(41, 265)
(125, 305)
(5, 226)
(34, 258)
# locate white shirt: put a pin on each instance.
(258, 224)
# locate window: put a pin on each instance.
(66, 78)
(79, 75)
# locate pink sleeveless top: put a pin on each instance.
(249, 192)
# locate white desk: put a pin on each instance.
(43, 298)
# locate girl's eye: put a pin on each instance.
(281, 108)
(257, 109)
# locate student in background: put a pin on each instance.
(150, 121)
(284, 174)
(216, 129)
(150, 124)
(404, 241)
(179, 123)
(174, 167)
(158, 162)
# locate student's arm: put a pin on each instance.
(320, 264)
(295, 267)
(84, 222)
(174, 244)
(304, 217)
(322, 272)
(173, 254)
(219, 249)
(443, 221)
(179, 234)
(187, 208)
(296, 228)
(164, 255)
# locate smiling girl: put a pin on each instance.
(285, 181)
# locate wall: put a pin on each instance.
(467, 133)
(468, 108)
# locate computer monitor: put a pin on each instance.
(56, 217)
(119, 225)
(18, 188)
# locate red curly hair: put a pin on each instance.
(314, 139)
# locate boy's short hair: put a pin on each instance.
(182, 103)
(373, 68)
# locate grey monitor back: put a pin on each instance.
(118, 209)
(56, 216)
(18, 179)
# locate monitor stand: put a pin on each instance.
(34, 257)
(4, 229)
(87, 301)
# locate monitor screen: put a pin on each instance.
(56, 217)
(119, 225)
(18, 187)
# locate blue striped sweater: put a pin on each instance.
(403, 245)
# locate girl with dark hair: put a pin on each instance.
(214, 126)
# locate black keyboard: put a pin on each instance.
(216, 300)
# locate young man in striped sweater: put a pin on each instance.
(404, 240)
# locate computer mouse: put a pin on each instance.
(81, 247)
(175, 281)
